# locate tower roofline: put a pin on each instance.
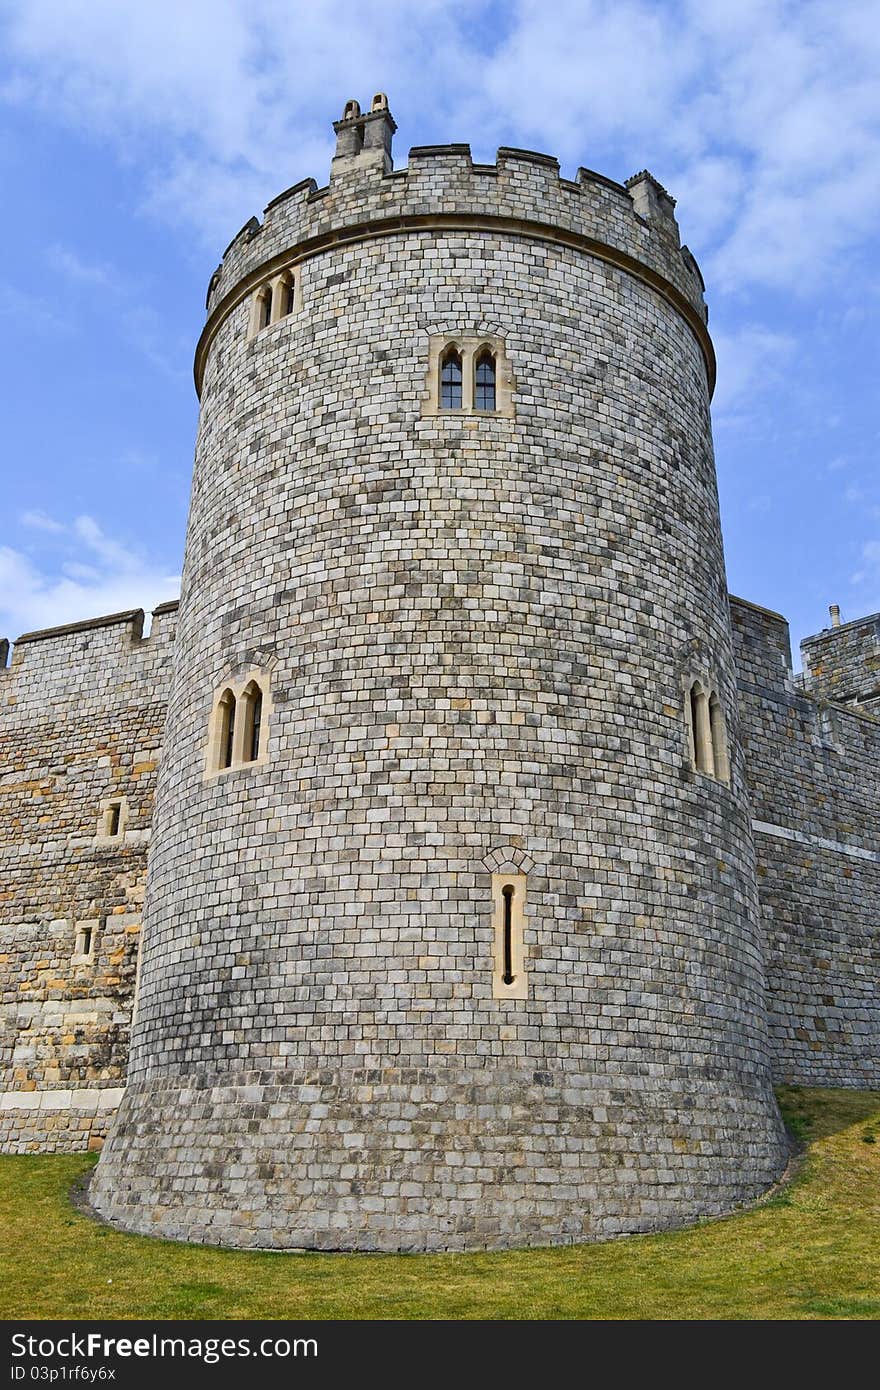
(441, 190)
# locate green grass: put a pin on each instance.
(811, 1251)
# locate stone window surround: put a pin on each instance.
(239, 688)
(103, 834)
(276, 287)
(469, 346)
(828, 729)
(707, 744)
(518, 986)
(90, 925)
(508, 866)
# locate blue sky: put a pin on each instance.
(137, 137)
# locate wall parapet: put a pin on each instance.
(133, 618)
(842, 663)
(635, 220)
(813, 766)
(446, 223)
(91, 641)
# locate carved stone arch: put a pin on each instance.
(252, 733)
(693, 658)
(240, 665)
(709, 722)
(286, 294)
(486, 334)
(484, 364)
(720, 737)
(223, 729)
(447, 329)
(452, 384)
(266, 658)
(508, 859)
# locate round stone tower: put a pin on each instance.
(451, 935)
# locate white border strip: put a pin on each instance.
(87, 1099)
(779, 832)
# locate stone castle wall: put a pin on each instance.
(843, 664)
(814, 776)
(441, 185)
(65, 1027)
(477, 631)
(81, 718)
(475, 635)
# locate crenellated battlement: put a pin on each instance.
(76, 652)
(522, 194)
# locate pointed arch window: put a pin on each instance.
(707, 733)
(451, 380)
(252, 700)
(286, 292)
(274, 300)
(238, 728)
(720, 757)
(484, 380)
(468, 375)
(227, 728)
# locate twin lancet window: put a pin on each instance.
(238, 733)
(468, 376)
(452, 380)
(275, 300)
(707, 736)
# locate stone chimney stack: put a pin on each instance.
(652, 202)
(363, 141)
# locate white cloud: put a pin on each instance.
(750, 360)
(222, 102)
(39, 521)
(96, 575)
(762, 116)
(73, 267)
(866, 579)
(114, 555)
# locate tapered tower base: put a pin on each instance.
(457, 1160)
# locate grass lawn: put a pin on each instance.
(812, 1251)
